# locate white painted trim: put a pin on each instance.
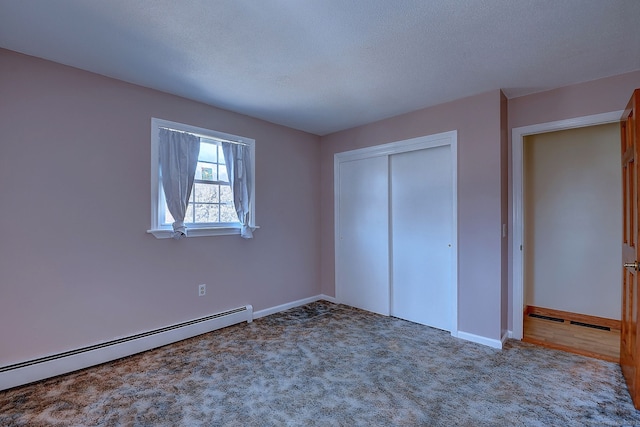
(454, 228)
(423, 142)
(504, 338)
(517, 192)
(419, 143)
(73, 362)
(481, 340)
(292, 304)
(199, 232)
(324, 297)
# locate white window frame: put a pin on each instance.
(161, 231)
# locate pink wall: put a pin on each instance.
(579, 100)
(76, 264)
(477, 120)
(584, 99)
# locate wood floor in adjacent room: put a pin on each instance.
(601, 344)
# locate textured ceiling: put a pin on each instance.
(327, 65)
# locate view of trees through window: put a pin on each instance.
(211, 199)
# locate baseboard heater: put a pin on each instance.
(57, 364)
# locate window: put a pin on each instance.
(211, 210)
(211, 200)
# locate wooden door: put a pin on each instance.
(422, 235)
(629, 341)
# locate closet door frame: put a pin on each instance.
(450, 139)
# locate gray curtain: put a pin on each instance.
(178, 160)
(238, 160)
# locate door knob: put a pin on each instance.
(633, 265)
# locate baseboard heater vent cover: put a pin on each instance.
(589, 325)
(540, 316)
(57, 364)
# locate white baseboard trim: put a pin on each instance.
(482, 340)
(504, 338)
(46, 367)
(324, 297)
(293, 304)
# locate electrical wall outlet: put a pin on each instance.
(202, 290)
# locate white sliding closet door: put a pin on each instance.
(422, 236)
(395, 229)
(362, 250)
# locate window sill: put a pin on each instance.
(164, 233)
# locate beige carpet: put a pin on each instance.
(330, 365)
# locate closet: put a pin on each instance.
(395, 223)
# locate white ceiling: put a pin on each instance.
(327, 65)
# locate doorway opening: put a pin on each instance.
(572, 229)
(554, 246)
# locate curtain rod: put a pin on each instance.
(199, 135)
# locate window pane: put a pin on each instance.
(208, 152)
(228, 213)
(206, 172)
(220, 155)
(206, 213)
(206, 192)
(222, 174)
(225, 194)
(188, 217)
